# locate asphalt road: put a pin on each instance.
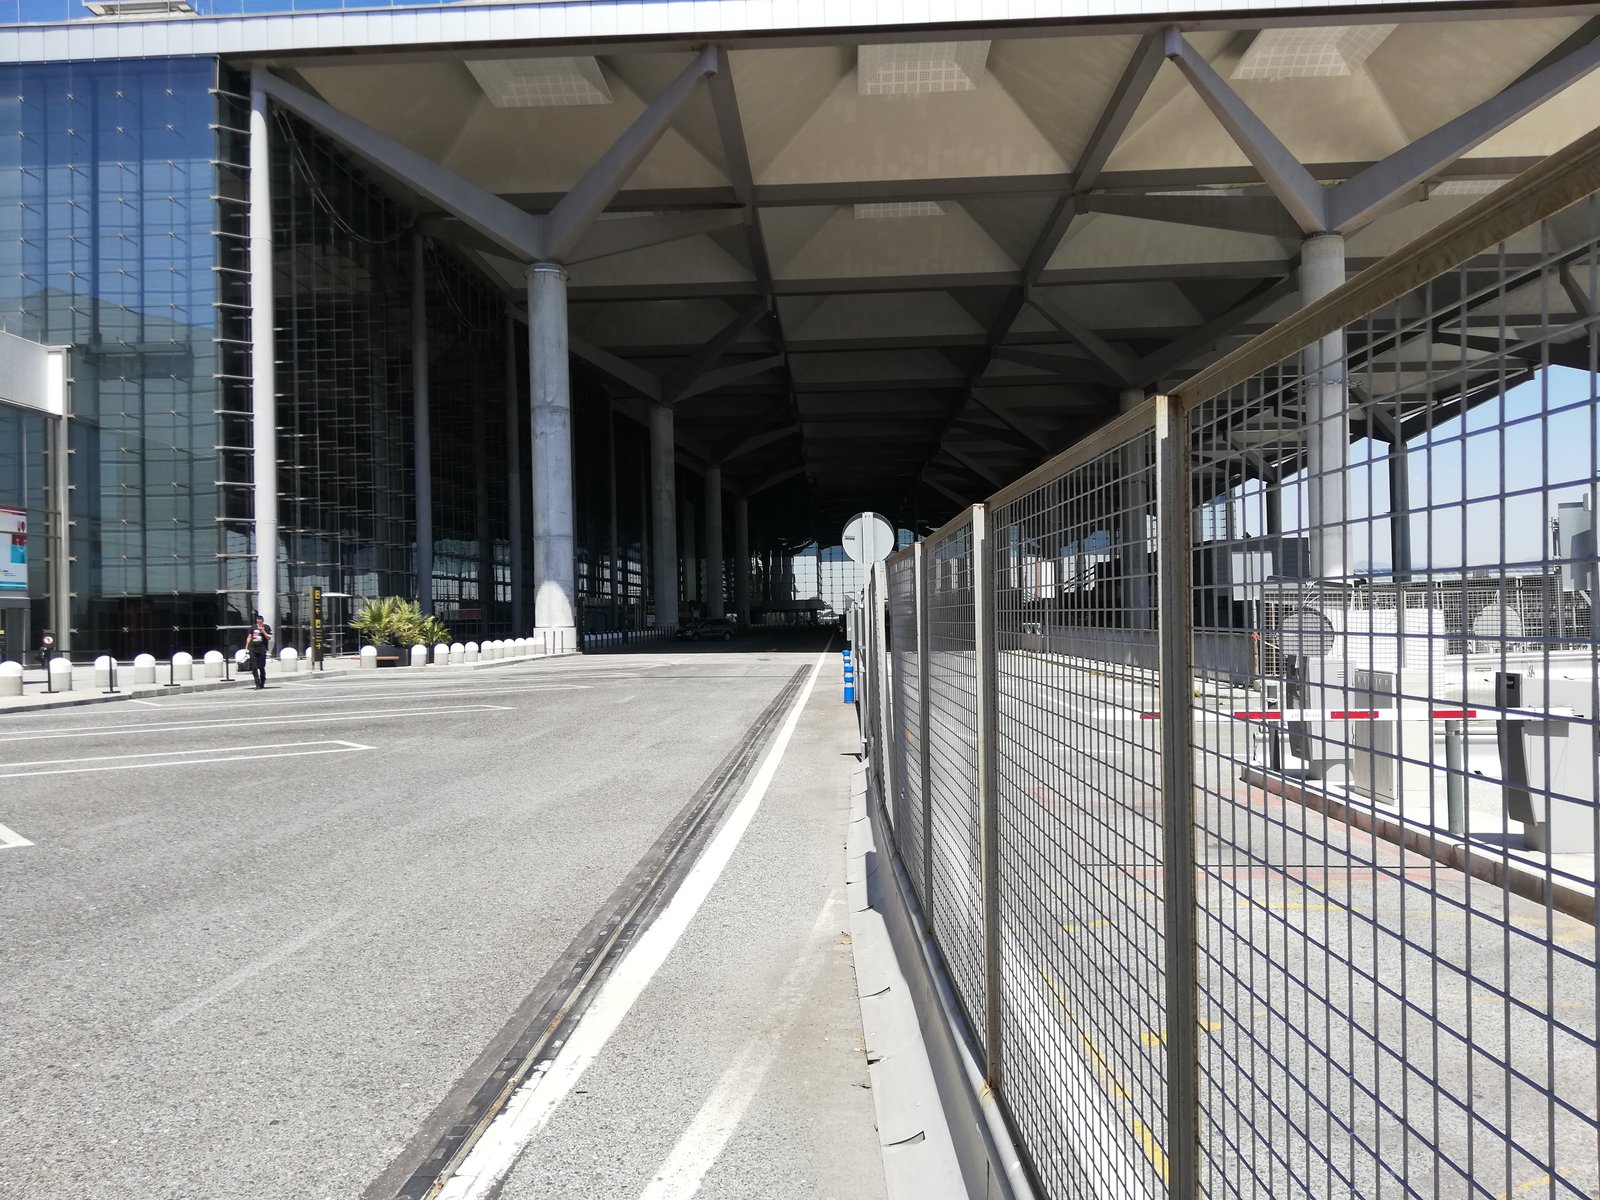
(262, 937)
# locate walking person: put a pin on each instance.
(256, 644)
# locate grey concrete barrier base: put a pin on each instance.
(973, 1131)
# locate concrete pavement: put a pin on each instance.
(261, 938)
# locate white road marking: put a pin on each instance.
(10, 839)
(249, 722)
(217, 990)
(357, 698)
(179, 758)
(150, 703)
(538, 1098)
(702, 1142)
(625, 699)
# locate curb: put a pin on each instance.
(989, 1164)
(920, 1161)
(1444, 848)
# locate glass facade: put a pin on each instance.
(107, 220)
(124, 235)
(24, 474)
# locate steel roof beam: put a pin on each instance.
(678, 380)
(570, 219)
(514, 232)
(1302, 196)
(1357, 199)
(605, 238)
(733, 373)
(1122, 365)
(634, 378)
(1240, 214)
(727, 452)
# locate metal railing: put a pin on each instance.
(1244, 758)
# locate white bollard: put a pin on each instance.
(307, 662)
(103, 666)
(472, 652)
(289, 657)
(60, 675)
(497, 649)
(441, 655)
(182, 667)
(419, 656)
(458, 653)
(241, 659)
(10, 678)
(214, 661)
(369, 658)
(144, 668)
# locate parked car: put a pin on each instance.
(712, 629)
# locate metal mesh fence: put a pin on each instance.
(954, 869)
(1378, 1021)
(906, 700)
(1288, 741)
(1079, 831)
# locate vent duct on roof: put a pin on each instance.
(1318, 52)
(541, 82)
(140, 8)
(920, 68)
(1465, 187)
(899, 208)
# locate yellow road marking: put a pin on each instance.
(1142, 1132)
(1156, 1037)
(1527, 1185)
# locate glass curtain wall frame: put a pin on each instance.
(108, 173)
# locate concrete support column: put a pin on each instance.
(664, 513)
(263, 368)
(514, 474)
(550, 398)
(1138, 598)
(422, 444)
(714, 561)
(741, 560)
(1327, 416)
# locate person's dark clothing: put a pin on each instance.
(256, 643)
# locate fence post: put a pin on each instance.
(1175, 636)
(984, 673)
(924, 730)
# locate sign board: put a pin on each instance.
(316, 624)
(868, 538)
(13, 550)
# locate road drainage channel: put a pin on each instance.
(545, 1020)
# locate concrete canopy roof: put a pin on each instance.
(931, 290)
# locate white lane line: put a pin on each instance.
(10, 839)
(149, 703)
(388, 693)
(249, 722)
(625, 699)
(680, 1176)
(218, 990)
(179, 758)
(538, 1098)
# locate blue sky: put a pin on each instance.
(1492, 479)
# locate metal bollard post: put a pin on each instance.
(1455, 780)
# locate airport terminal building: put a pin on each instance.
(582, 315)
